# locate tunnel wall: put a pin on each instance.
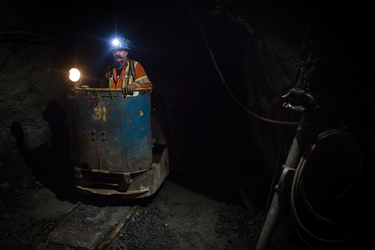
(260, 67)
(25, 74)
(24, 92)
(287, 33)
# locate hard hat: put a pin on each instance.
(119, 43)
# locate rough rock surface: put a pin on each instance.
(25, 91)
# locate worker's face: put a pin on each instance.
(119, 56)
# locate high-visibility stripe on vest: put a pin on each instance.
(128, 78)
(143, 79)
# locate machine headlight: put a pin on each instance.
(74, 75)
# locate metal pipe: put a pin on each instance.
(294, 151)
(269, 224)
(285, 183)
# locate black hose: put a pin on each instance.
(231, 93)
(356, 183)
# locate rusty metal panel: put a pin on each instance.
(141, 184)
(109, 132)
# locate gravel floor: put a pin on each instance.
(186, 213)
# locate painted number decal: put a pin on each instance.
(100, 113)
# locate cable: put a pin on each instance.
(231, 93)
(299, 190)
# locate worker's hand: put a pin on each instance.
(129, 89)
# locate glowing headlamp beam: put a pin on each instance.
(115, 42)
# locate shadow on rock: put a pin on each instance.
(53, 172)
(49, 162)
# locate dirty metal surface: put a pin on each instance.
(141, 184)
(110, 133)
(88, 227)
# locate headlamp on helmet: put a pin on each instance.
(115, 42)
(120, 43)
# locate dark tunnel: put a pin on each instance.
(259, 133)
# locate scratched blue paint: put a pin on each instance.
(112, 134)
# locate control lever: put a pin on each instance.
(299, 108)
(299, 92)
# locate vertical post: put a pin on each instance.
(283, 184)
(294, 151)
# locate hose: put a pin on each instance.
(299, 191)
(231, 93)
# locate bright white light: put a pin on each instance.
(74, 75)
(115, 42)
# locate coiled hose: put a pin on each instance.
(302, 207)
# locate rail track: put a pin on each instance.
(85, 227)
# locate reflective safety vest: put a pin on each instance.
(128, 76)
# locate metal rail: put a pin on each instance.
(56, 224)
(102, 246)
(108, 240)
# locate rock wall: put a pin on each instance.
(27, 50)
(270, 68)
(268, 59)
(25, 90)
(287, 33)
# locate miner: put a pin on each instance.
(124, 73)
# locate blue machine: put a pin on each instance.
(111, 142)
